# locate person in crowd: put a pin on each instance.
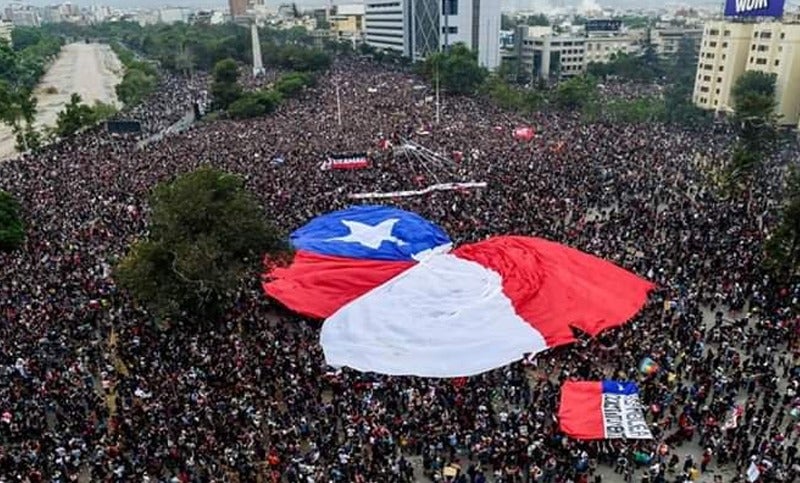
(92, 389)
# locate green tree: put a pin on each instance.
(254, 104)
(206, 234)
(12, 230)
(678, 94)
(507, 22)
(77, 115)
(783, 246)
(135, 86)
(24, 37)
(754, 109)
(756, 124)
(501, 93)
(539, 20)
(18, 110)
(225, 89)
(226, 71)
(294, 82)
(575, 93)
(457, 70)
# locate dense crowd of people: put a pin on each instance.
(176, 98)
(93, 388)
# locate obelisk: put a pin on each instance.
(258, 63)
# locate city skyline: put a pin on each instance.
(536, 5)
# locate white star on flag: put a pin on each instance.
(368, 235)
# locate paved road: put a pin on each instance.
(91, 70)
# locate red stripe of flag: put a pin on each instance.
(580, 414)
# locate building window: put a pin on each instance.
(777, 62)
(703, 88)
(716, 101)
(724, 56)
(449, 30)
(721, 68)
(783, 35)
(766, 35)
(712, 44)
(707, 78)
(751, 60)
(717, 91)
(719, 79)
(713, 32)
(724, 45)
(761, 61)
(450, 7)
(727, 33)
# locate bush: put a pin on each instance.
(12, 230)
(225, 90)
(290, 84)
(254, 104)
(136, 85)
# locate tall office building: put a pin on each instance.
(5, 30)
(418, 27)
(475, 23)
(385, 24)
(237, 8)
(730, 49)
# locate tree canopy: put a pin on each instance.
(12, 230)
(756, 124)
(140, 79)
(783, 246)
(538, 20)
(254, 104)
(184, 48)
(206, 233)
(77, 115)
(754, 108)
(21, 67)
(225, 89)
(457, 70)
(575, 93)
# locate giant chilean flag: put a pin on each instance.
(602, 410)
(397, 299)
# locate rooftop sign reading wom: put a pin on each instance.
(754, 8)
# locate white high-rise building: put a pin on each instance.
(476, 24)
(385, 24)
(418, 27)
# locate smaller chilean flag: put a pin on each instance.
(398, 299)
(602, 410)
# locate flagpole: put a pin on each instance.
(338, 105)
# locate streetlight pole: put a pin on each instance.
(438, 105)
(338, 105)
